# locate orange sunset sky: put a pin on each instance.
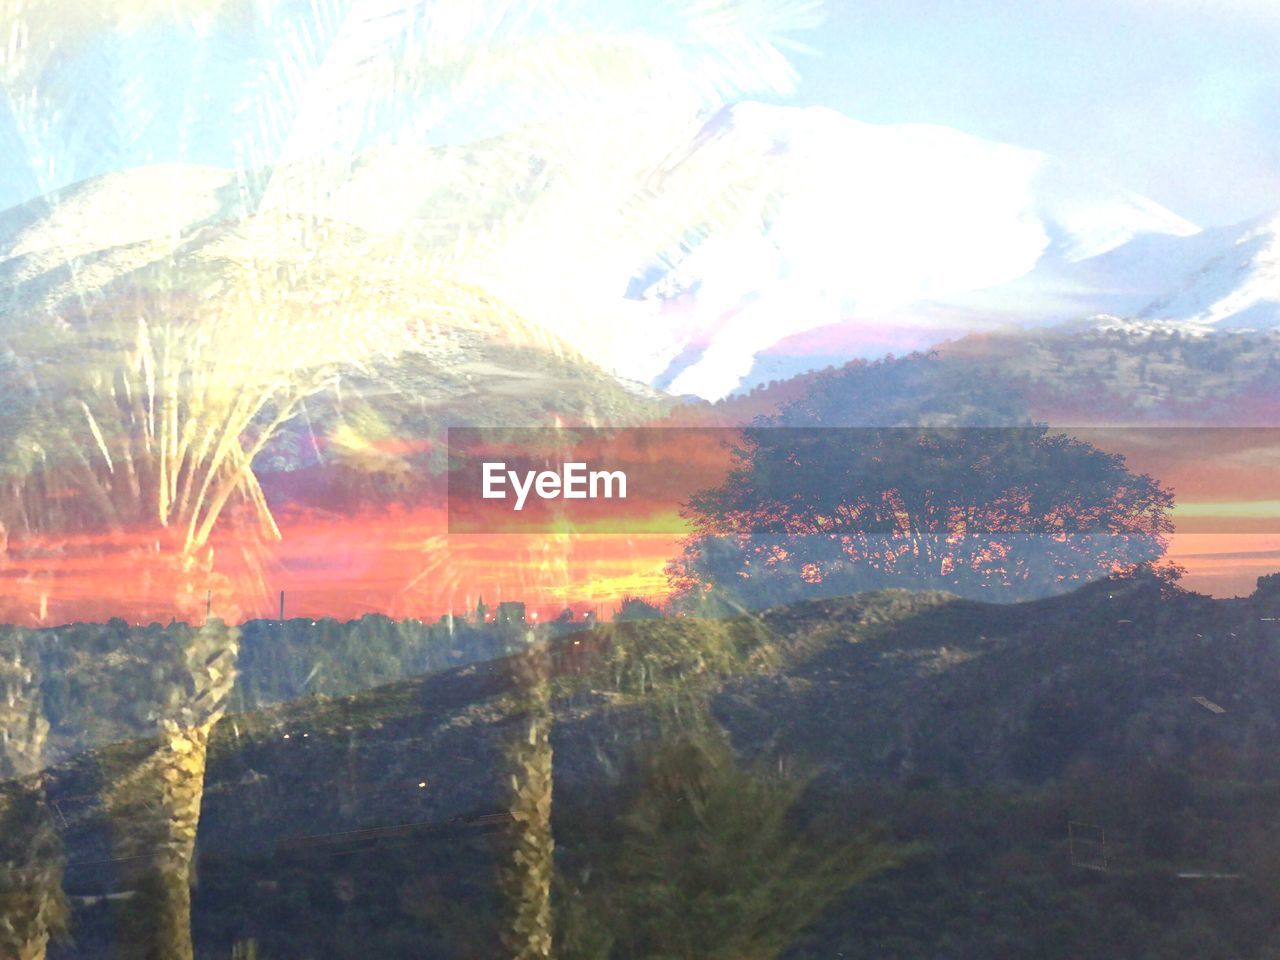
(402, 560)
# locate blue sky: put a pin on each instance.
(1179, 101)
(1175, 99)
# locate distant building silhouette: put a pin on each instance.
(510, 613)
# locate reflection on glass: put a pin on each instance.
(911, 656)
(32, 905)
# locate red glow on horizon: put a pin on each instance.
(400, 561)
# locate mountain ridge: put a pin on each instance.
(943, 719)
(833, 239)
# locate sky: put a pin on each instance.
(1174, 99)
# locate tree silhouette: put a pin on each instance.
(989, 511)
(637, 608)
(711, 858)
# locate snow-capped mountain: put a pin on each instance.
(1225, 278)
(886, 231)
(869, 239)
(1237, 285)
(802, 238)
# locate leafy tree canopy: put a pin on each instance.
(985, 511)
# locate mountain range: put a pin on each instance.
(887, 238)
(827, 239)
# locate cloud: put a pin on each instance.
(40, 31)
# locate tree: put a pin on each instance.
(138, 409)
(1010, 512)
(637, 608)
(712, 858)
(918, 390)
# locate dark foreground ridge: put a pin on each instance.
(1089, 775)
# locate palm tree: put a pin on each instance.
(145, 399)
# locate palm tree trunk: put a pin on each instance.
(32, 905)
(33, 908)
(528, 876)
(155, 807)
(155, 813)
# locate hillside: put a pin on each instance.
(971, 734)
(1076, 376)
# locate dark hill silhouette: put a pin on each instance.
(972, 733)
